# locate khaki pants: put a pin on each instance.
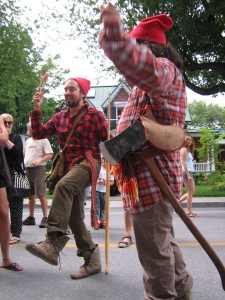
(165, 274)
(68, 204)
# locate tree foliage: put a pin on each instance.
(209, 149)
(198, 34)
(208, 116)
(20, 63)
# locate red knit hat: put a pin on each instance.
(152, 29)
(83, 83)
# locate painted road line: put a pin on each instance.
(193, 244)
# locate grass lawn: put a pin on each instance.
(206, 191)
(200, 191)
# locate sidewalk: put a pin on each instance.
(115, 201)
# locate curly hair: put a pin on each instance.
(168, 51)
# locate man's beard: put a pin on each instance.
(73, 103)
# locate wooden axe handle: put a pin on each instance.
(153, 168)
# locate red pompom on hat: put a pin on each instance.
(153, 29)
(84, 84)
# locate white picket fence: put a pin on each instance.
(204, 167)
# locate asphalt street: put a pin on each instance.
(41, 281)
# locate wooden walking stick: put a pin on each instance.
(107, 197)
(152, 166)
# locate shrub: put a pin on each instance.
(200, 178)
(219, 186)
(221, 167)
(215, 178)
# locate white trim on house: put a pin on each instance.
(115, 93)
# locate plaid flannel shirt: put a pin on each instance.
(163, 83)
(90, 130)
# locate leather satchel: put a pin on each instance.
(162, 137)
(57, 169)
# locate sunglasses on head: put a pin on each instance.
(8, 123)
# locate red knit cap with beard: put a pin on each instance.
(153, 29)
(84, 84)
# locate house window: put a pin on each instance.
(119, 112)
(119, 106)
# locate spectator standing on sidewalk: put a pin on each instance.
(14, 155)
(100, 196)
(7, 262)
(36, 154)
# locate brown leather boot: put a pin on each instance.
(49, 249)
(91, 266)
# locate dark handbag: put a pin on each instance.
(17, 184)
(21, 185)
(58, 167)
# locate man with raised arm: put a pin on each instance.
(82, 166)
(153, 68)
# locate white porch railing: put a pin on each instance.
(204, 167)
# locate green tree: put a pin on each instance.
(208, 116)
(20, 63)
(209, 149)
(198, 34)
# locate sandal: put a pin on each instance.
(14, 240)
(192, 215)
(124, 243)
(13, 267)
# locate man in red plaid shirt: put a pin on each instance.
(82, 166)
(153, 68)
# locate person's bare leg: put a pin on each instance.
(31, 205)
(44, 205)
(5, 232)
(126, 240)
(190, 186)
(183, 198)
(127, 224)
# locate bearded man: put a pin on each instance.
(82, 166)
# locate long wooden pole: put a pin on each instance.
(191, 226)
(107, 197)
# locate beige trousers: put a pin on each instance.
(165, 274)
(68, 204)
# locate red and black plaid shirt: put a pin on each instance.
(90, 130)
(163, 83)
